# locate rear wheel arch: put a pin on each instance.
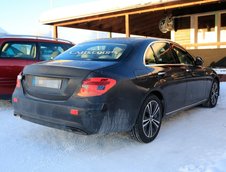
(160, 96)
(156, 93)
(213, 95)
(149, 119)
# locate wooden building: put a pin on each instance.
(198, 25)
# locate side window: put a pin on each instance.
(183, 56)
(163, 53)
(149, 56)
(49, 50)
(18, 50)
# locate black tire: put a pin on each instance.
(149, 120)
(213, 96)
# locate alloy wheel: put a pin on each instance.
(214, 93)
(151, 119)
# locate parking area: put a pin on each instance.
(192, 140)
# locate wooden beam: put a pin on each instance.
(127, 29)
(55, 31)
(135, 11)
(204, 44)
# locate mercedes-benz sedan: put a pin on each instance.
(112, 85)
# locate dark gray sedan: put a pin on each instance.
(114, 85)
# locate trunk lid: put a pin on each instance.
(57, 80)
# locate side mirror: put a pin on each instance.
(198, 61)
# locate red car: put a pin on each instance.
(19, 51)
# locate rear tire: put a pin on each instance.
(213, 96)
(149, 120)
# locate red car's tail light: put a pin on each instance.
(19, 77)
(15, 100)
(74, 112)
(96, 86)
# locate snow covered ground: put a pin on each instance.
(189, 141)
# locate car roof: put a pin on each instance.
(133, 40)
(32, 38)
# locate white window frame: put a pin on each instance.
(194, 29)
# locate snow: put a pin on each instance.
(189, 141)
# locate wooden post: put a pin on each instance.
(218, 27)
(110, 34)
(55, 31)
(127, 29)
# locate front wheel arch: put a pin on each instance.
(214, 94)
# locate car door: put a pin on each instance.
(14, 55)
(171, 76)
(195, 76)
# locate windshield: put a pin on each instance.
(90, 51)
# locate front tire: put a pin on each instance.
(149, 120)
(213, 96)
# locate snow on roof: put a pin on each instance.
(93, 8)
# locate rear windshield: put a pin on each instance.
(87, 51)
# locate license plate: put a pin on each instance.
(46, 82)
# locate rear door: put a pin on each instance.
(14, 55)
(195, 76)
(171, 75)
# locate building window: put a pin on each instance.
(182, 30)
(223, 29)
(206, 30)
(201, 31)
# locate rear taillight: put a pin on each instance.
(18, 81)
(95, 86)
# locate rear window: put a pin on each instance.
(104, 51)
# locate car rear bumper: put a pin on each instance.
(91, 118)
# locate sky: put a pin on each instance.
(22, 17)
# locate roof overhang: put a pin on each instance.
(144, 17)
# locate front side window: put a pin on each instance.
(163, 53)
(18, 50)
(101, 51)
(49, 51)
(183, 56)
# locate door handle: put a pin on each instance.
(161, 73)
(188, 70)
